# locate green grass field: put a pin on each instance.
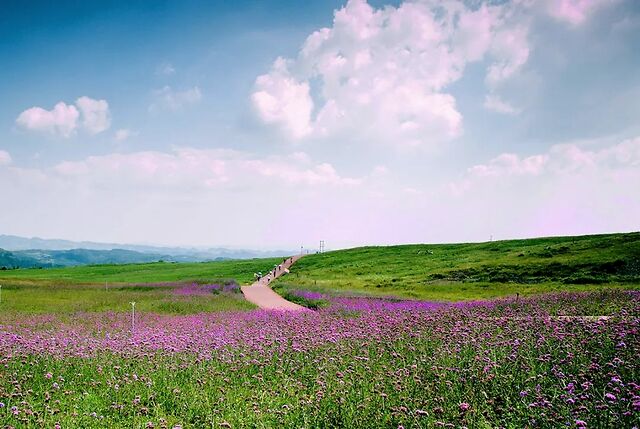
(26, 299)
(239, 270)
(82, 289)
(474, 271)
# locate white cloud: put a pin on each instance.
(510, 164)
(169, 99)
(61, 120)
(570, 189)
(188, 196)
(495, 103)
(575, 12)
(95, 114)
(510, 49)
(280, 99)
(123, 134)
(5, 158)
(382, 74)
(165, 69)
(64, 119)
(202, 168)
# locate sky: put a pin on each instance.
(276, 124)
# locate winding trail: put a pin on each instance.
(261, 294)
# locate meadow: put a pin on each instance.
(198, 356)
(154, 287)
(454, 272)
(239, 270)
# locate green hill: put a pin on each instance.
(474, 270)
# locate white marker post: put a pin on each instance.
(133, 316)
(0, 294)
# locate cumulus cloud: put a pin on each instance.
(563, 159)
(64, 119)
(510, 49)
(497, 104)
(5, 158)
(61, 120)
(382, 74)
(280, 99)
(95, 114)
(575, 12)
(615, 160)
(169, 99)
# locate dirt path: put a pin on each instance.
(260, 292)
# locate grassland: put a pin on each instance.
(474, 271)
(29, 299)
(100, 288)
(239, 270)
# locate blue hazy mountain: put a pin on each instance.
(21, 252)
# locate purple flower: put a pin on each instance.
(464, 406)
(610, 397)
(581, 423)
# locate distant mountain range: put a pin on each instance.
(21, 252)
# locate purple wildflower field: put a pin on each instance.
(357, 362)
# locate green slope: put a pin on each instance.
(477, 270)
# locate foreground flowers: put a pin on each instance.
(359, 362)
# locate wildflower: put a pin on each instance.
(1, 404)
(56, 386)
(464, 406)
(610, 396)
(581, 423)
(523, 393)
(57, 426)
(48, 375)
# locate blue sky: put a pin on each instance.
(271, 124)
